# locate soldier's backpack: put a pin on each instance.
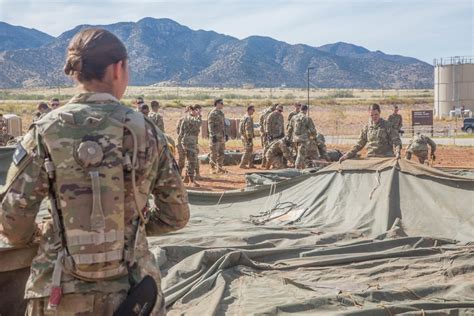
(86, 162)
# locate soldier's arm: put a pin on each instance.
(170, 195)
(268, 123)
(212, 125)
(249, 128)
(182, 129)
(312, 129)
(401, 122)
(161, 123)
(21, 197)
(359, 145)
(396, 141)
(432, 144)
(178, 126)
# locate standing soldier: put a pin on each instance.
(247, 136)
(263, 134)
(419, 147)
(278, 150)
(297, 109)
(188, 138)
(180, 149)
(302, 129)
(217, 136)
(275, 125)
(379, 135)
(99, 162)
(396, 120)
(155, 116)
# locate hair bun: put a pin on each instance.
(73, 63)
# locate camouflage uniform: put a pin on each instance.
(216, 126)
(275, 126)
(290, 116)
(396, 121)
(247, 136)
(380, 139)
(301, 130)
(3, 123)
(55, 137)
(179, 147)
(419, 147)
(263, 132)
(277, 150)
(158, 120)
(188, 138)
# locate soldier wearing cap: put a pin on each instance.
(396, 119)
(301, 131)
(155, 116)
(217, 136)
(419, 147)
(247, 136)
(379, 136)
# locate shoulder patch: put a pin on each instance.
(19, 154)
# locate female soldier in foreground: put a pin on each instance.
(98, 161)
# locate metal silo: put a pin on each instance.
(453, 84)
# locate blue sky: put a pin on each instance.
(424, 29)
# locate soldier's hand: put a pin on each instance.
(344, 157)
(433, 157)
(214, 139)
(397, 155)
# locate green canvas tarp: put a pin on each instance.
(366, 237)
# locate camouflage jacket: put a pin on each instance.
(189, 130)
(263, 119)
(158, 120)
(216, 124)
(290, 116)
(302, 128)
(380, 139)
(246, 127)
(275, 125)
(27, 185)
(396, 121)
(280, 147)
(420, 143)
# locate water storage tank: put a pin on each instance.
(453, 85)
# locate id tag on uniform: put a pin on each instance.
(19, 154)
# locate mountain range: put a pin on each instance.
(164, 52)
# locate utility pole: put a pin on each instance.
(309, 68)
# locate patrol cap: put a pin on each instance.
(217, 101)
(304, 107)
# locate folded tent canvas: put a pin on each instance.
(366, 237)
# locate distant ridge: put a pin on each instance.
(164, 52)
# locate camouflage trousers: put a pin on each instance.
(301, 154)
(217, 154)
(265, 145)
(85, 304)
(422, 155)
(181, 157)
(191, 152)
(247, 158)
